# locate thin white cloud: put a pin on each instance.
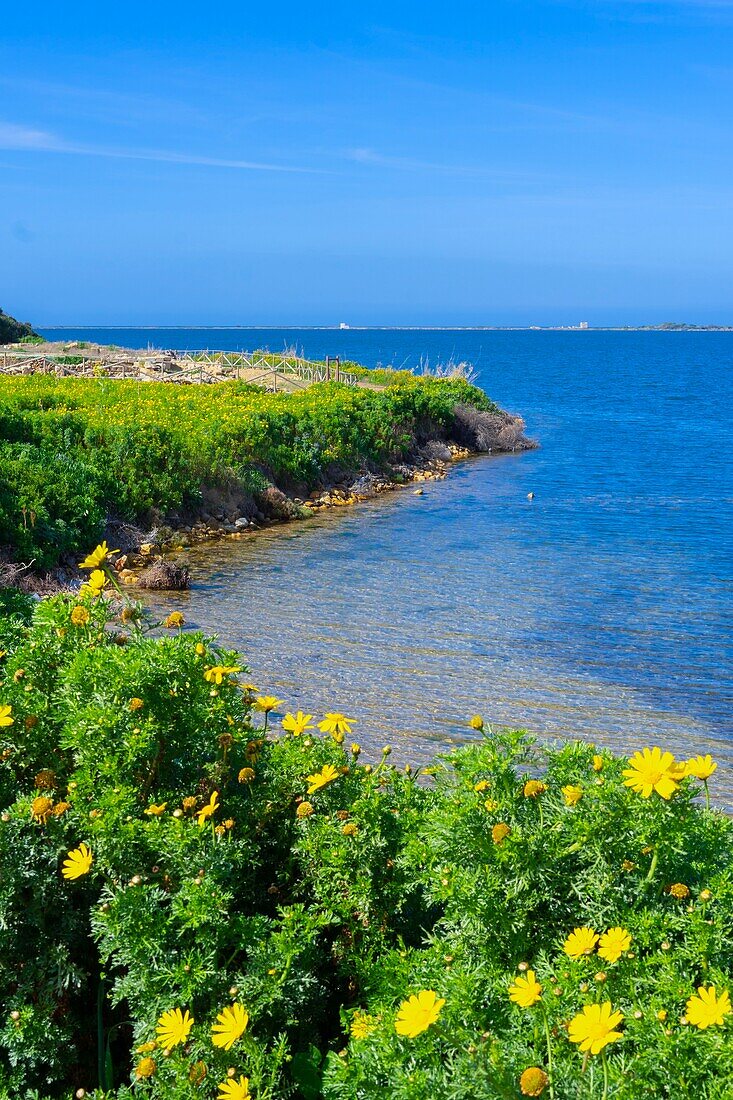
(383, 160)
(26, 139)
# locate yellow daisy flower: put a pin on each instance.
(572, 795)
(231, 1024)
(78, 863)
(525, 990)
(594, 1027)
(156, 811)
(652, 770)
(235, 1090)
(297, 723)
(580, 942)
(326, 775)
(266, 703)
(418, 1013)
(708, 1009)
(613, 944)
(97, 556)
(173, 1027)
(338, 725)
(209, 810)
(701, 767)
(6, 718)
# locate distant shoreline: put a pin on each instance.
(391, 328)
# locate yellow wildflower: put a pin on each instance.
(45, 780)
(235, 1090)
(189, 802)
(679, 890)
(231, 1024)
(533, 1081)
(525, 990)
(594, 1027)
(500, 832)
(60, 808)
(481, 785)
(297, 723)
(156, 811)
(305, 809)
(362, 1024)
(97, 556)
(701, 767)
(320, 779)
(490, 805)
(78, 863)
(80, 615)
(418, 1013)
(97, 581)
(477, 722)
(266, 703)
(41, 807)
(652, 770)
(350, 829)
(145, 1048)
(708, 1009)
(580, 942)
(5, 716)
(338, 725)
(597, 763)
(146, 1067)
(173, 1027)
(613, 943)
(572, 795)
(174, 621)
(209, 810)
(246, 775)
(217, 673)
(136, 704)
(533, 788)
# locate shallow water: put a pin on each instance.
(600, 609)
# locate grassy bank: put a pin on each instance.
(74, 452)
(203, 897)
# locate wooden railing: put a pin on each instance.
(270, 371)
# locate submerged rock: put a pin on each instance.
(165, 575)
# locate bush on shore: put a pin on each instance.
(73, 451)
(200, 898)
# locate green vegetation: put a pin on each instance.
(73, 451)
(12, 331)
(200, 900)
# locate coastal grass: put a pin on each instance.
(204, 896)
(74, 452)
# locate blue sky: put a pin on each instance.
(503, 162)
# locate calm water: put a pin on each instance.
(602, 609)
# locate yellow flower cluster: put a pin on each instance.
(611, 945)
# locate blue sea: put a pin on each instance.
(600, 609)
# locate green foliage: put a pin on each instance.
(322, 912)
(73, 452)
(12, 331)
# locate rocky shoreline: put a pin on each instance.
(154, 557)
(153, 560)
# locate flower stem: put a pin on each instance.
(707, 794)
(653, 867)
(548, 1040)
(605, 1075)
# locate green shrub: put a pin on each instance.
(215, 879)
(73, 451)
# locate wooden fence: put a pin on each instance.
(271, 372)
